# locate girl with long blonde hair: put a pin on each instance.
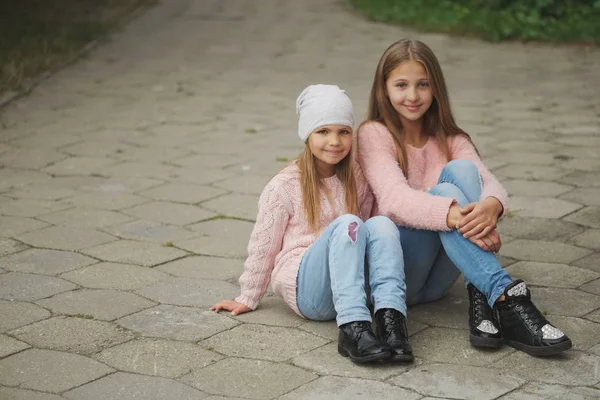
(428, 178)
(309, 239)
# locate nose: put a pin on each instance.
(412, 94)
(335, 139)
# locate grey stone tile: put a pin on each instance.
(521, 187)
(264, 342)
(234, 205)
(65, 238)
(588, 196)
(30, 157)
(104, 305)
(591, 262)
(9, 346)
(337, 388)
(148, 231)
(80, 166)
(581, 178)
(538, 250)
(141, 170)
(272, 311)
(30, 207)
(594, 316)
(8, 246)
(583, 164)
(592, 287)
(458, 381)
(538, 228)
(533, 172)
(182, 193)
(151, 154)
(190, 292)
(226, 238)
(589, 216)
(169, 359)
(86, 218)
(54, 371)
(545, 391)
(568, 302)
(326, 329)
(16, 314)
(589, 239)
(553, 275)
(21, 394)
(130, 386)
(12, 226)
(106, 201)
(169, 213)
(275, 379)
(205, 161)
(583, 333)
(244, 184)
(28, 287)
(449, 312)
(205, 268)
(115, 276)
(570, 368)
(207, 176)
(40, 192)
(72, 334)
(132, 252)
(541, 207)
(46, 262)
(15, 178)
(95, 148)
(178, 323)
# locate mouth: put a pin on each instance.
(412, 108)
(334, 153)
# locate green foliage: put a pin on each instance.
(495, 20)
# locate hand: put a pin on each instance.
(479, 218)
(454, 216)
(231, 305)
(491, 242)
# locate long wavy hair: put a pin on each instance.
(438, 120)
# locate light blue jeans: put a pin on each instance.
(331, 278)
(434, 260)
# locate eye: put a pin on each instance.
(345, 132)
(401, 85)
(322, 131)
(424, 84)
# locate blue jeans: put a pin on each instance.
(331, 278)
(434, 260)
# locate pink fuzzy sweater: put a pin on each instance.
(281, 234)
(403, 198)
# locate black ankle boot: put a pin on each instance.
(483, 330)
(523, 325)
(357, 341)
(391, 330)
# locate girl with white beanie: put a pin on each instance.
(310, 242)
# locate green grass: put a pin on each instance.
(37, 35)
(494, 20)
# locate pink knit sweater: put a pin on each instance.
(281, 234)
(403, 198)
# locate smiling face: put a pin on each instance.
(330, 144)
(409, 91)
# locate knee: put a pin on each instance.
(446, 189)
(351, 225)
(462, 169)
(381, 225)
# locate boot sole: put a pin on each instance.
(402, 358)
(371, 358)
(541, 351)
(490, 343)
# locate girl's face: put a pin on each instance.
(330, 144)
(409, 91)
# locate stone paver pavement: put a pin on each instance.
(129, 182)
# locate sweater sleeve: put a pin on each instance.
(395, 198)
(364, 194)
(265, 243)
(462, 148)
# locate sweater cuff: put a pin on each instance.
(440, 213)
(247, 301)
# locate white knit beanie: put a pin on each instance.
(320, 105)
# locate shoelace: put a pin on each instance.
(528, 312)
(392, 322)
(481, 310)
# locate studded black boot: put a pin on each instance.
(357, 341)
(483, 330)
(391, 330)
(524, 327)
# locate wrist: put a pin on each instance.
(494, 202)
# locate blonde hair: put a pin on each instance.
(312, 186)
(438, 120)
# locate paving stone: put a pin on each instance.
(594, 316)
(458, 381)
(568, 302)
(46, 262)
(8, 246)
(528, 171)
(581, 178)
(16, 314)
(106, 201)
(539, 391)
(104, 305)
(588, 196)
(79, 217)
(589, 239)
(591, 262)
(583, 164)
(9, 346)
(169, 359)
(234, 205)
(333, 387)
(272, 311)
(207, 176)
(542, 207)
(21, 394)
(538, 228)
(11, 178)
(65, 238)
(190, 292)
(80, 166)
(538, 250)
(169, 213)
(448, 312)
(178, 323)
(226, 238)
(520, 187)
(182, 193)
(583, 333)
(205, 268)
(141, 170)
(592, 287)
(518, 157)
(30, 157)
(130, 386)
(13, 226)
(150, 232)
(115, 276)
(553, 275)
(264, 342)
(244, 184)
(30, 207)
(95, 148)
(326, 329)
(256, 379)
(589, 216)
(53, 371)
(132, 252)
(204, 161)
(570, 368)
(28, 287)
(40, 192)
